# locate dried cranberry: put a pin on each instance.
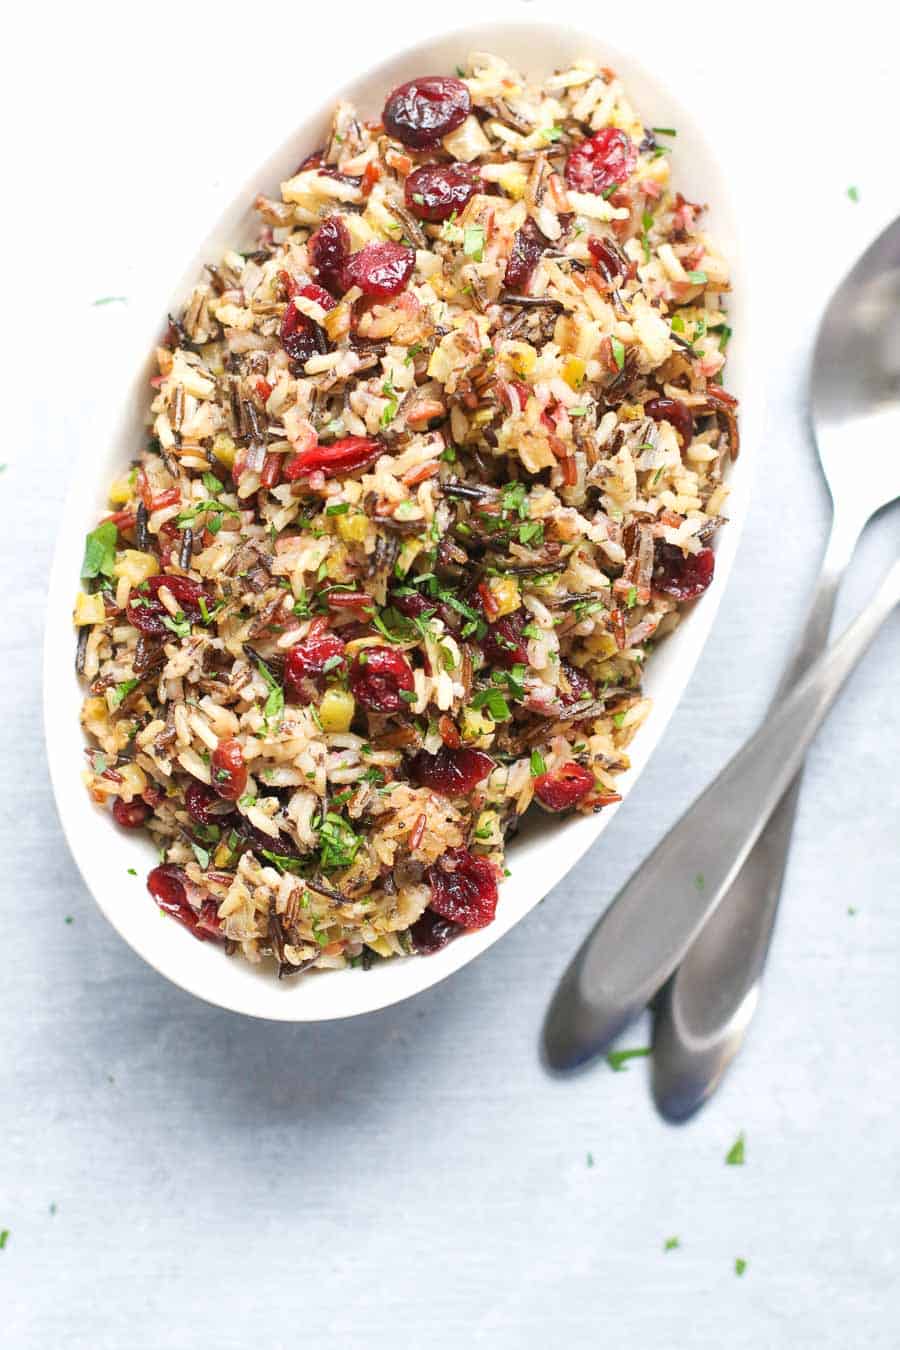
(435, 191)
(130, 815)
(413, 605)
(329, 249)
(306, 661)
(167, 886)
(608, 258)
(564, 786)
(675, 412)
(528, 245)
(430, 933)
(682, 577)
(378, 675)
(149, 614)
(502, 643)
(229, 772)
(453, 773)
(335, 460)
(379, 269)
(301, 338)
(318, 294)
(600, 162)
(580, 689)
(199, 799)
(420, 112)
(463, 888)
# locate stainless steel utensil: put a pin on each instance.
(649, 927)
(703, 1014)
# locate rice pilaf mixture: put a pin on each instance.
(430, 470)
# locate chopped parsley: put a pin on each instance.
(551, 133)
(180, 624)
(537, 764)
(132, 871)
(740, 1265)
(617, 1059)
(671, 1244)
(631, 598)
(201, 854)
(494, 702)
(390, 410)
(618, 719)
(853, 194)
(338, 843)
(473, 242)
(590, 1160)
(735, 1155)
(618, 352)
(122, 691)
(274, 705)
(4, 1238)
(100, 551)
(212, 484)
(698, 278)
(109, 300)
(700, 881)
(412, 352)
(664, 131)
(337, 509)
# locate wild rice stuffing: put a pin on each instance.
(429, 471)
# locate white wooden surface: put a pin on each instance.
(174, 1176)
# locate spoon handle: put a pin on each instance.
(655, 918)
(704, 1012)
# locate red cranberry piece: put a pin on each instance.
(335, 460)
(430, 933)
(682, 577)
(199, 799)
(378, 675)
(435, 191)
(379, 269)
(602, 161)
(149, 614)
(463, 888)
(229, 772)
(502, 643)
(528, 245)
(317, 293)
(453, 773)
(130, 815)
(564, 786)
(413, 605)
(307, 661)
(329, 249)
(608, 259)
(301, 338)
(580, 690)
(672, 410)
(420, 112)
(167, 886)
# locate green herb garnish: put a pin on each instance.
(618, 352)
(100, 551)
(735, 1155)
(617, 1059)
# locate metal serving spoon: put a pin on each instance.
(705, 1011)
(659, 914)
(650, 926)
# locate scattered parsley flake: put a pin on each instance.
(671, 1244)
(698, 278)
(735, 1155)
(740, 1265)
(122, 691)
(618, 719)
(590, 1160)
(473, 242)
(201, 854)
(664, 131)
(100, 551)
(853, 194)
(4, 1238)
(132, 871)
(700, 881)
(618, 352)
(617, 1059)
(69, 919)
(631, 598)
(109, 300)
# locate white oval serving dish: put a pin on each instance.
(546, 850)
